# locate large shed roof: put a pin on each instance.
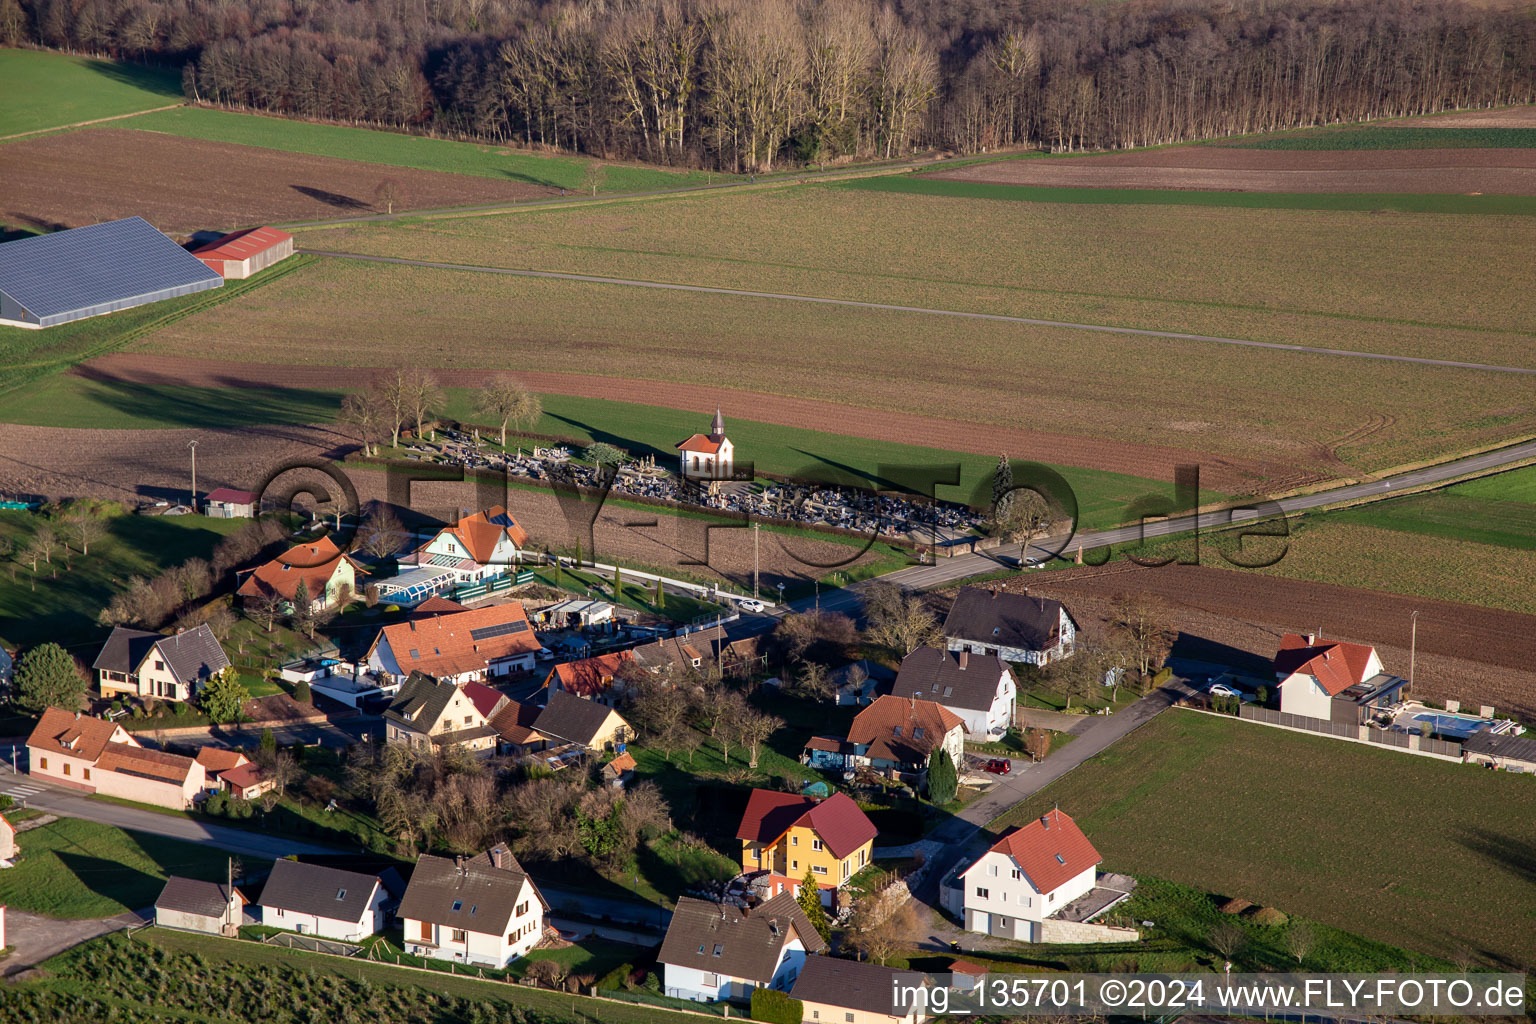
(97, 269)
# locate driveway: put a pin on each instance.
(35, 938)
(44, 796)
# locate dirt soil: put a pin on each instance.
(1229, 475)
(1506, 117)
(186, 185)
(1212, 168)
(1467, 653)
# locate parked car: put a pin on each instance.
(998, 766)
(750, 604)
(1223, 690)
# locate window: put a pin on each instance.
(66, 767)
(341, 894)
(1060, 859)
(1017, 874)
(458, 904)
(159, 666)
(711, 981)
(458, 935)
(719, 949)
(426, 932)
(815, 1015)
(818, 869)
(468, 719)
(816, 844)
(794, 865)
(917, 733)
(279, 911)
(1024, 899)
(794, 840)
(981, 893)
(896, 732)
(522, 908)
(87, 774)
(994, 870)
(848, 1016)
(845, 871)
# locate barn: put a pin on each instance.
(53, 279)
(242, 253)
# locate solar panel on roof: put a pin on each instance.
(500, 629)
(68, 275)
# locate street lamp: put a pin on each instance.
(193, 445)
(1413, 646)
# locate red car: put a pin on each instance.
(998, 766)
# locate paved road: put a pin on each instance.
(44, 796)
(36, 938)
(890, 307)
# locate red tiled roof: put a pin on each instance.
(837, 820)
(1336, 664)
(232, 496)
(445, 646)
(243, 777)
(437, 604)
(590, 676)
(1051, 850)
(64, 732)
(483, 697)
(876, 727)
(514, 722)
(153, 764)
(480, 532)
(217, 759)
(967, 967)
(625, 762)
(701, 443)
(314, 563)
(242, 245)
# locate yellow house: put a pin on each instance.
(586, 723)
(790, 835)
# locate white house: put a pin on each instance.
(707, 458)
(1014, 627)
(478, 547)
(457, 647)
(977, 687)
(174, 667)
(1028, 875)
(475, 910)
(312, 899)
(717, 951)
(894, 734)
(1312, 671)
(96, 756)
(7, 845)
(190, 905)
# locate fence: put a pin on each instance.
(1408, 742)
(1269, 716)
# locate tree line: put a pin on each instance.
(749, 85)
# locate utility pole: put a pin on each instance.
(193, 445)
(754, 561)
(1413, 647)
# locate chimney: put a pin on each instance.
(965, 657)
(499, 856)
(1045, 822)
(1311, 639)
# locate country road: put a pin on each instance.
(890, 307)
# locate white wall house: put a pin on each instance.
(474, 910)
(1311, 671)
(1014, 627)
(1027, 876)
(707, 458)
(312, 899)
(478, 547)
(716, 951)
(977, 687)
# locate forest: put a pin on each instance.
(754, 85)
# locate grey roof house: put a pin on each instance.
(977, 687)
(195, 906)
(586, 723)
(481, 910)
(716, 951)
(313, 899)
(139, 664)
(1014, 627)
(840, 990)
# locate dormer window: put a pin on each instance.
(458, 905)
(917, 733)
(719, 949)
(1060, 859)
(896, 731)
(341, 894)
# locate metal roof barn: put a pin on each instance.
(242, 253)
(70, 275)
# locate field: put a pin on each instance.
(61, 600)
(73, 868)
(1499, 510)
(187, 185)
(1269, 168)
(1166, 393)
(45, 90)
(1219, 804)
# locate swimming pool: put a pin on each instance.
(1453, 726)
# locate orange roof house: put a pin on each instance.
(216, 761)
(1312, 671)
(98, 756)
(707, 457)
(326, 572)
(458, 647)
(903, 733)
(491, 537)
(789, 834)
(591, 678)
(1029, 876)
(513, 722)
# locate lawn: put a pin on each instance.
(50, 90)
(1190, 396)
(61, 601)
(637, 594)
(1385, 136)
(1498, 510)
(1363, 202)
(64, 400)
(76, 869)
(427, 154)
(1400, 849)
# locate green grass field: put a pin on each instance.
(67, 401)
(1420, 853)
(75, 869)
(427, 154)
(63, 607)
(50, 90)
(1386, 136)
(1367, 202)
(1498, 510)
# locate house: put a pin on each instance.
(1014, 627)
(7, 844)
(459, 647)
(477, 910)
(246, 781)
(860, 992)
(428, 712)
(216, 761)
(189, 905)
(240, 254)
(591, 678)
(619, 771)
(96, 756)
(228, 503)
(789, 834)
(175, 667)
(312, 899)
(707, 458)
(977, 687)
(901, 734)
(513, 722)
(588, 724)
(1332, 680)
(1512, 753)
(715, 951)
(478, 547)
(329, 575)
(1028, 875)
(707, 646)
(575, 613)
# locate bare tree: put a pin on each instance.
(752, 728)
(284, 771)
(393, 391)
(267, 607)
(1228, 938)
(44, 541)
(389, 192)
(85, 529)
(878, 935)
(382, 534)
(899, 619)
(508, 401)
(1037, 744)
(423, 397)
(1300, 938)
(593, 177)
(812, 681)
(1020, 517)
(363, 411)
(1145, 628)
